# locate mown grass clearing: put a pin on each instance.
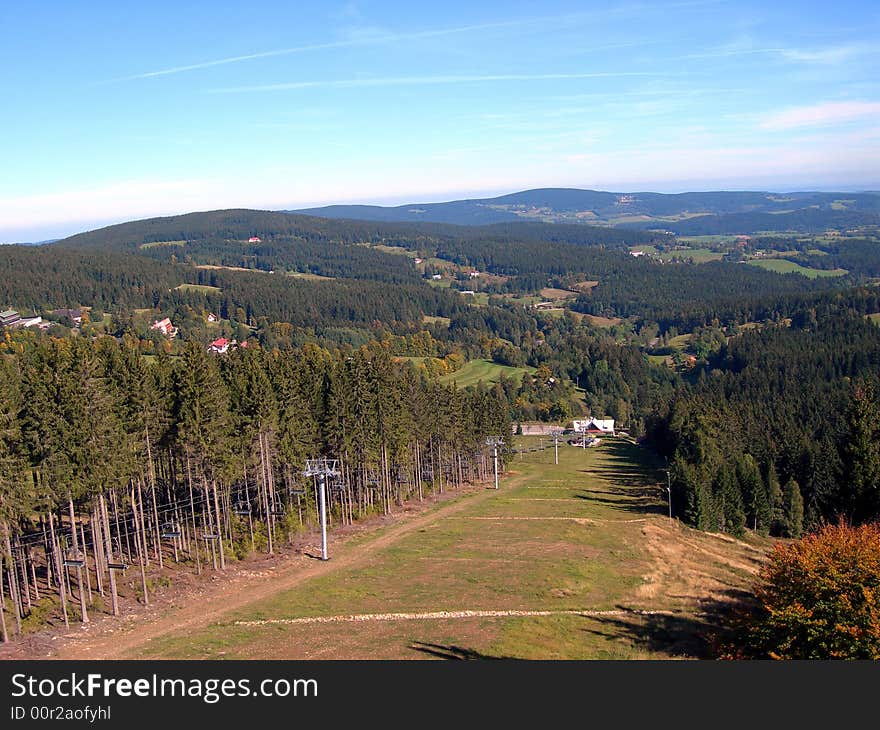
(431, 319)
(395, 250)
(585, 286)
(697, 255)
(875, 317)
(478, 299)
(231, 268)
(597, 321)
(203, 288)
(308, 277)
(524, 301)
(557, 295)
(784, 266)
(499, 574)
(709, 239)
(487, 371)
(680, 342)
(158, 244)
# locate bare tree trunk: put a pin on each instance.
(219, 527)
(108, 546)
(137, 539)
(13, 582)
(265, 493)
(24, 577)
(269, 497)
(79, 580)
(192, 512)
(82, 534)
(151, 472)
(97, 529)
(50, 571)
(143, 522)
(4, 636)
(34, 577)
(62, 590)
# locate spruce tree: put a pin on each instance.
(793, 509)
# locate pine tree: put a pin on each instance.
(862, 457)
(793, 510)
(774, 493)
(730, 516)
(754, 494)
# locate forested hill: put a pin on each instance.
(589, 206)
(45, 278)
(807, 220)
(239, 225)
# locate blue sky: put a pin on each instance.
(115, 111)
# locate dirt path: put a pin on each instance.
(115, 640)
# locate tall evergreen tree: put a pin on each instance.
(793, 509)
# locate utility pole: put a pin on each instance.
(495, 442)
(556, 434)
(322, 468)
(668, 488)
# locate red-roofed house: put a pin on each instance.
(254, 239)
(165, 327)
(219, 346)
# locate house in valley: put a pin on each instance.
(9, 318)
(74, 315)
(219, 346)
(165, 327)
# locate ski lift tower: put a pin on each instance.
(495, 442)
(556, 434)
(322, 468)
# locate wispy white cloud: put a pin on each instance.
(822, 56)
(730, 52)
(816, 115)
(429, 81)
(353, 39)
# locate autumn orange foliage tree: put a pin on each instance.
(818, 598)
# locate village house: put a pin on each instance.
(30, 322)
(212, 317)
(595, 425)
(74, 315)
(437, 277)
(165, 327)
(219, 346)
(9, 318)
(254, 239)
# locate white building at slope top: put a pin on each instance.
(595, 425)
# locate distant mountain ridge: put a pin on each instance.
(644, 209)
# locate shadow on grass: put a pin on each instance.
(636, 484)
(442, 651)
(646, 505)
(679, 635)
